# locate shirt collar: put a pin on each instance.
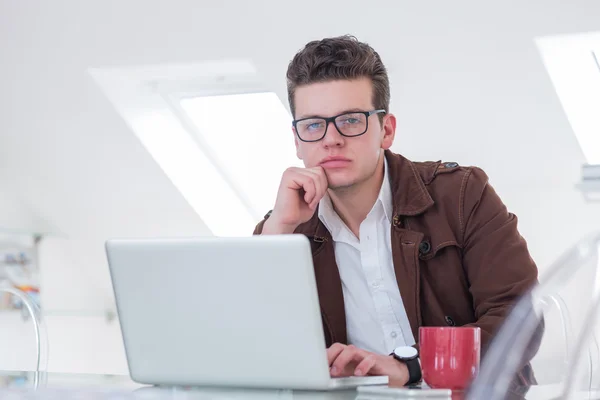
(329, 217)
(385, 193)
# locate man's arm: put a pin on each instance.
(495, 256)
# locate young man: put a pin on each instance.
(396, 244)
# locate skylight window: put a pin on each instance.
(573, 62)
(248, 138)
(221, 140)
(590, 138)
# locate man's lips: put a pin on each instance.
(335, 162)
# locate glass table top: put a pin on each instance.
(63, 386)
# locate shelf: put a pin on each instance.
(23, 232)
(108, 314)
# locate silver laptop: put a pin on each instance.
(227, 312)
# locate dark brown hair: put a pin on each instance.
(342, 57)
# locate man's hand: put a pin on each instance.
(352, 361)
(299, 193)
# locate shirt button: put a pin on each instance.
(393, 335)
(375, 284)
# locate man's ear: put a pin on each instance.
(389, 131)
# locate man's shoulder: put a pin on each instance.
(448, 173)
(417, 185)
(454, 190)
(450, 184)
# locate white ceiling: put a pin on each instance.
(468, 85)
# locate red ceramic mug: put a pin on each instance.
(449, 356)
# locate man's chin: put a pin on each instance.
(340, 184)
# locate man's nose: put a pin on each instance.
(332, 136)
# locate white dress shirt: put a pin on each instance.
(375, 316)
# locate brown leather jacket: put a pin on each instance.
(458, 256)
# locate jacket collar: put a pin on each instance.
(409, 195)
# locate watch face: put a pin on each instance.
(405, 352)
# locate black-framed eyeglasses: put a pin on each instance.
(348, 124)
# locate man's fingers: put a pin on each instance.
(334, 351)
(349, 354)
(320, 183)
(306, 183)
(323, 178)
(323, 184)
(308, 180)
(365, 365)
(312, 180)
(318, 188)
(310, 190)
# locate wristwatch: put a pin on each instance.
(409, 356)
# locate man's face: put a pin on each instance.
(362, 153)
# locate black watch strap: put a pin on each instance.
(414, 370)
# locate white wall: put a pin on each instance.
(15, 216)
(74, 276)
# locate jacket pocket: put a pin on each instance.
(444, 286)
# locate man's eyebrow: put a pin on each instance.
(350, 110)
